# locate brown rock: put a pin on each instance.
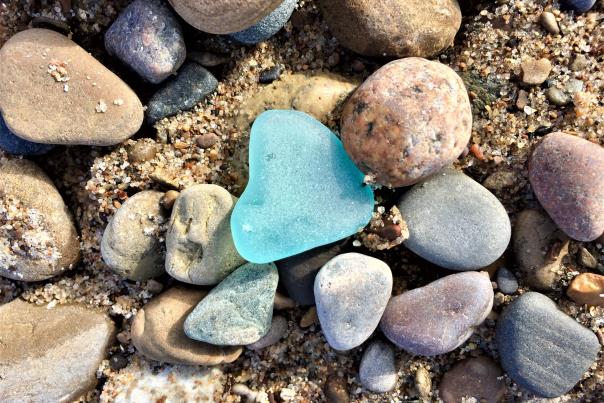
(283, 303)
(535, 72)
(335, 390)
(143, 150)
(50, 355)
(157, 331)
(587, 259)
(225, 16)
(35, 222)
(548, 21)
(54, 92)
(566, 175)
(409, 120)
(473, 378)
(169, 198)
(207, 140)
(587, 289)
(309, 318)
(396, 28)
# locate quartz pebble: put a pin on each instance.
(506, 281)
(268, 26)
(68, 101)
(452, 203)
(440, 316)
(479, 378)
(239, 310)
(557, 96)
(147, 37)
(351, 292)
(565, 172)
(17, 146)
(277, 332)
(378, 372)
(543, 350)
(303, 192)
(587, 289)
(409, 120)
(535, 72)
(548, 20)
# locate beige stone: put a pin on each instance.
(587, 289)
(54, 92)
(157, 331)
(535, 72)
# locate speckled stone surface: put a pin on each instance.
(565, 172)
(454, 222)
(17, 146)
(147, 38)
(268, 26)
(351, 292)
(377, 371)
(440, 316)
(192, 85)
(542, 349)
(478, 378)
(239, 310)
(506, 281)
(407, 121)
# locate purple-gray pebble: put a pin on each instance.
(268, 26)
(15, 145)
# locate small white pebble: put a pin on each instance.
(101, 107)
(118, 102)
(356, 243)
(65, 88)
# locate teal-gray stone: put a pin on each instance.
(239, 310)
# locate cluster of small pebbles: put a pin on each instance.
(301, 201)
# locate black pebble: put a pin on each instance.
(270, 75)
(118, 361)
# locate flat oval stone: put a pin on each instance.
(17, 146)
(439, 317)
(303, 191)
(226, 16)
(542, 349)
(37, 342)
(38, 239)
(130, 243)
(407, 121)
(351, 292)
(479, 378)
(157, 331)
(454, 222)
(588, 289)
(268, 26)
(146, 36)
(54, 92)
(200, 248)
(565, 172)
(377, 372)
(239, 310)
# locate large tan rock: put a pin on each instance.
(50, 355)
(54, 92)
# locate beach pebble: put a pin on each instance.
(277, 332)
(587, 289)
(207, 140)
(440, 316)
(50, 355)
(395, 28)
(268, 26)
(271, 74)
(157, 331)
(199, 244)
(506, 281)
(297, 273)
(409, 120)
(479, 378)
(192, 85)
(38, 238)
(565, 172)
(131, 244)
(454, 222)
(557, 96)
(542, 349)
(580, 6)
(548, 21)
(586, 259)
(539, 247)
(336, 390)
(351, 292)
(226, 16)
(72, 99)
(239, 310)
(535, 72)
(17, 146)
(147, 37)
(378, 372)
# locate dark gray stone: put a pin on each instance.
(191, 86)
(454, 222)
(147, 37)
(16, 145)
(506, 281)
(270, 75)
(542, 349)
(378, 370)
(297, 273)
(268, 26)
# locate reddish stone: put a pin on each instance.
(474, 377)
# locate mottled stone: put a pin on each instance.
(535, 72)
(378, 372)
(543, 350)
(54, 92)
(239, 310)
(506, 281)
(226, 16)
(50, 355)
(351, 292)
(157, 331)
(38, 238)
(17, 146)
(396, 28)
(454, 222)
(565, 172)
(440, 316)
(192, 85)
(131, 244)
(277, 332)
(268, 26)
(199, 243)
(587, 289)
(409, 120)
(479, 378)
(147, 37)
